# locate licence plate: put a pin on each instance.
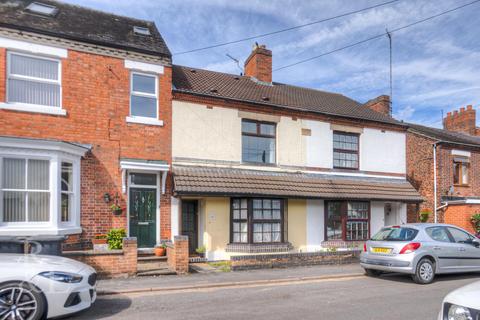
(381, 250)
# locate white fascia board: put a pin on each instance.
(131, 165)
(33, 47)
(143, 66)
(462, 153)
(47, 145)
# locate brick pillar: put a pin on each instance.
(177, 255)
(129, 262)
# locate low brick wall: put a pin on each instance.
(177, 255)
(266, 261)
(110, 263)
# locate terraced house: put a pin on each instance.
(261, 166)
(85, 123)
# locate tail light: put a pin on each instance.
(411, 247)
(364, 247)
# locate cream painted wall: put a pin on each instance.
(297, 223)
(382, 151)
(216, 217)
(202, 133)
(319, 145)
(315, 224)
(290, 143)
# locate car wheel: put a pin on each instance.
(20, 300)
(372, 273)
(425, 272)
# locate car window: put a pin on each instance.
(395, 234)
(438, 234)
(460, 236)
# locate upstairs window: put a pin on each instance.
(144, 96)
(33, 80)
(460, 171)
(42, 8)
(258, 141)
(345, 150)
(141, 30)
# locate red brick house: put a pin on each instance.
(457, 157)
(85, 123)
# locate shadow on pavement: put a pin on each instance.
(104, 307)
(398, 277)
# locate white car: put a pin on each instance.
(38, 286)
(462, 304)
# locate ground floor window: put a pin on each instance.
(257, 221)
(347, 220)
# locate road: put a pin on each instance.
(389, 297)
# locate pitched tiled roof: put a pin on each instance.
(237, 182)
(83, 24)
(243, 88)
(444, 135)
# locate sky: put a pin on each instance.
(436, 64)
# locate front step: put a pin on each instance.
(151, 258)
(154, 273)
(151, 265)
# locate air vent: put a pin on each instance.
(193, 71)
(236, 78)
(141, 30)
(265, 98)
(42, 8)
(213, 90)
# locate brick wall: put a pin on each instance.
(95, 94)
(178, 255)
(460, 215)
(110, 263)
(463, 120)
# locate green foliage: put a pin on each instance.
(476, 221)
(115, 207)
(424, 215)
(224, 266)
(332, 249)
(115, 238)
(201, 250)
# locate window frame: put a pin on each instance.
(145, 95)
(357, 152)
(258, 134)
(250, 221)
(33, 79)
(460, 181)
(344, 219)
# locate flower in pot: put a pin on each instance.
(99, 238)
(160, 250)
(115, 238)
(424, 215)
(201, 251)
(116, 209)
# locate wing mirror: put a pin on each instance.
(476, 243)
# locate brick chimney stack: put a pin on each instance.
(259, 64)
(380, 104)
(464, 121)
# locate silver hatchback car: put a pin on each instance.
(421, 250)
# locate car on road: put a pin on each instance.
(462, 304)
(35, 287)
(421, 250)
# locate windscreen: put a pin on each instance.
(395, 234)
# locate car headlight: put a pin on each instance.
(65, 277)
(456, 312)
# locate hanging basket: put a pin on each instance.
(117, 212)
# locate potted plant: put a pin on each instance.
(160, 250)
(116, 209)
(475, 219)
(115, 238)
(99, 238)
(201, 251)
(424, 215)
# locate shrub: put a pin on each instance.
(476, 222)
(115, 238)
(424, 215)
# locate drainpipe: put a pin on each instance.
(435, 181)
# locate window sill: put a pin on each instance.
(462, 185)
(33, 108)
(37, 231)
(259, 247)
(147, 121)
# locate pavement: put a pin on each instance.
(222, 279)
(331, 292)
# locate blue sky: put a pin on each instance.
(436, 64)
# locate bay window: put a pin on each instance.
(33, 80)
(347, 220)
(257, 221)
(39, 187)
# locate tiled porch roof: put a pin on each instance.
(238, 182)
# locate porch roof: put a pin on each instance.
(239, 182)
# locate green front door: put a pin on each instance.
(143, 213)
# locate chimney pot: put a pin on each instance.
(449, 114)
(469, 107)
(462, 109)
(463, 121)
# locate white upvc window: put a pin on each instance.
(33, 80)
(143, 96)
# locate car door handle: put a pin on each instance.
(437, 248)
(462, 249)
